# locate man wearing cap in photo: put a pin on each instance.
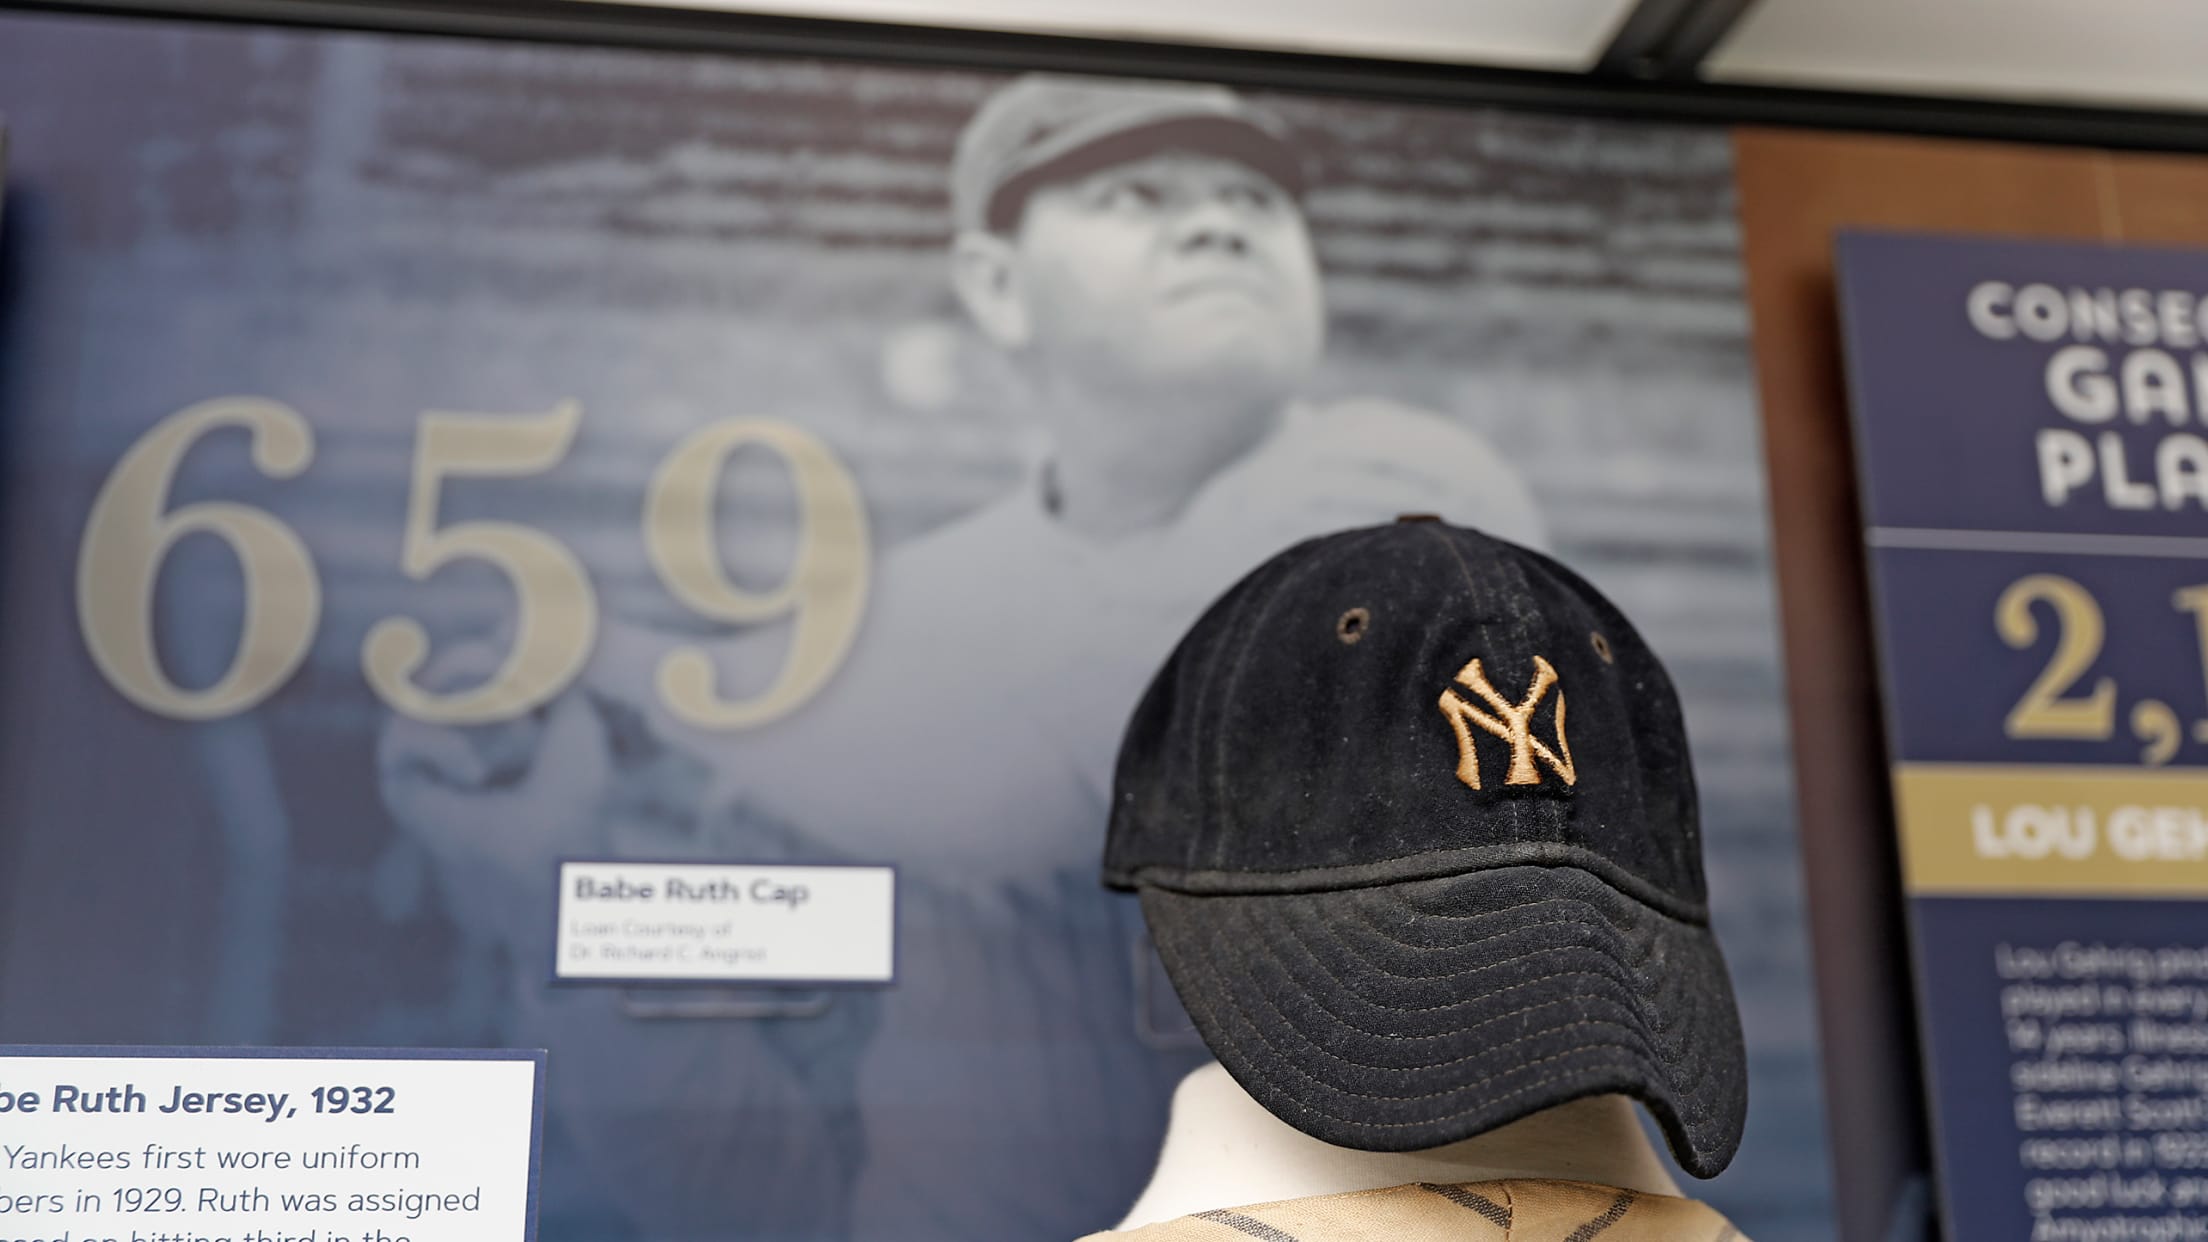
(1435, 925)
(1140, 252)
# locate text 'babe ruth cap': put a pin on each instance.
(1050, 127)
(1406, 895)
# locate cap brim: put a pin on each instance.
(1119, 140)
(1406, 1016)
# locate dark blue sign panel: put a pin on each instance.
(2029, 427)
(2026, 387)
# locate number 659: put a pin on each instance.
(131, 529)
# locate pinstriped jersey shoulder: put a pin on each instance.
(1500, 1211)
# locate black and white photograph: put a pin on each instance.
(688, 457)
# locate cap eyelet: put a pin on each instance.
(1353, 625)
(1602, 647)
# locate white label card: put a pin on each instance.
(725, 923)
(268, 1145)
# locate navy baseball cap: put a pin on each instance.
(1404, 894)
(1052, 127)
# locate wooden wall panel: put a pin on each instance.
(1796, 189)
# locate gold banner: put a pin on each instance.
(2068, 831)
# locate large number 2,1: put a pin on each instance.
(2079, 630)
(131, 530)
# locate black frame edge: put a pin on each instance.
(593, 22)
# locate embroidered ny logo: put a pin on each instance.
(1512, 722)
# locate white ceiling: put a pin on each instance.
(1537, 34)
(2150, 53)
(2127, 52)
